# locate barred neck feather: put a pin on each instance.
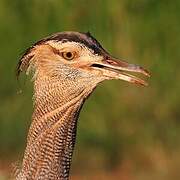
(52, 133)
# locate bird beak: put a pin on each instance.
(117, 69)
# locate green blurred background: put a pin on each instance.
(125, 132)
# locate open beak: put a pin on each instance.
(117, 69)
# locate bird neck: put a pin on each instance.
(52, 134)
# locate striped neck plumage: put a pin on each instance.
(52, 134)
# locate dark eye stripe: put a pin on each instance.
(55, 51)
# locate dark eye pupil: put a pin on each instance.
(68, 54)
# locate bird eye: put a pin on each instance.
(68, 55)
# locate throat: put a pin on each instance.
(51, 137)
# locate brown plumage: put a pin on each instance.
(66, 68)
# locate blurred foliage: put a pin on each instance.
(124, 131)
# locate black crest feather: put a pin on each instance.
(84, 38)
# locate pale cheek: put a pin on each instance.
(96, 72)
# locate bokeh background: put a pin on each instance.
(124, 132)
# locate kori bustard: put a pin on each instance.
(66, 68)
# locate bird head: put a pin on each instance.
(74, 56)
